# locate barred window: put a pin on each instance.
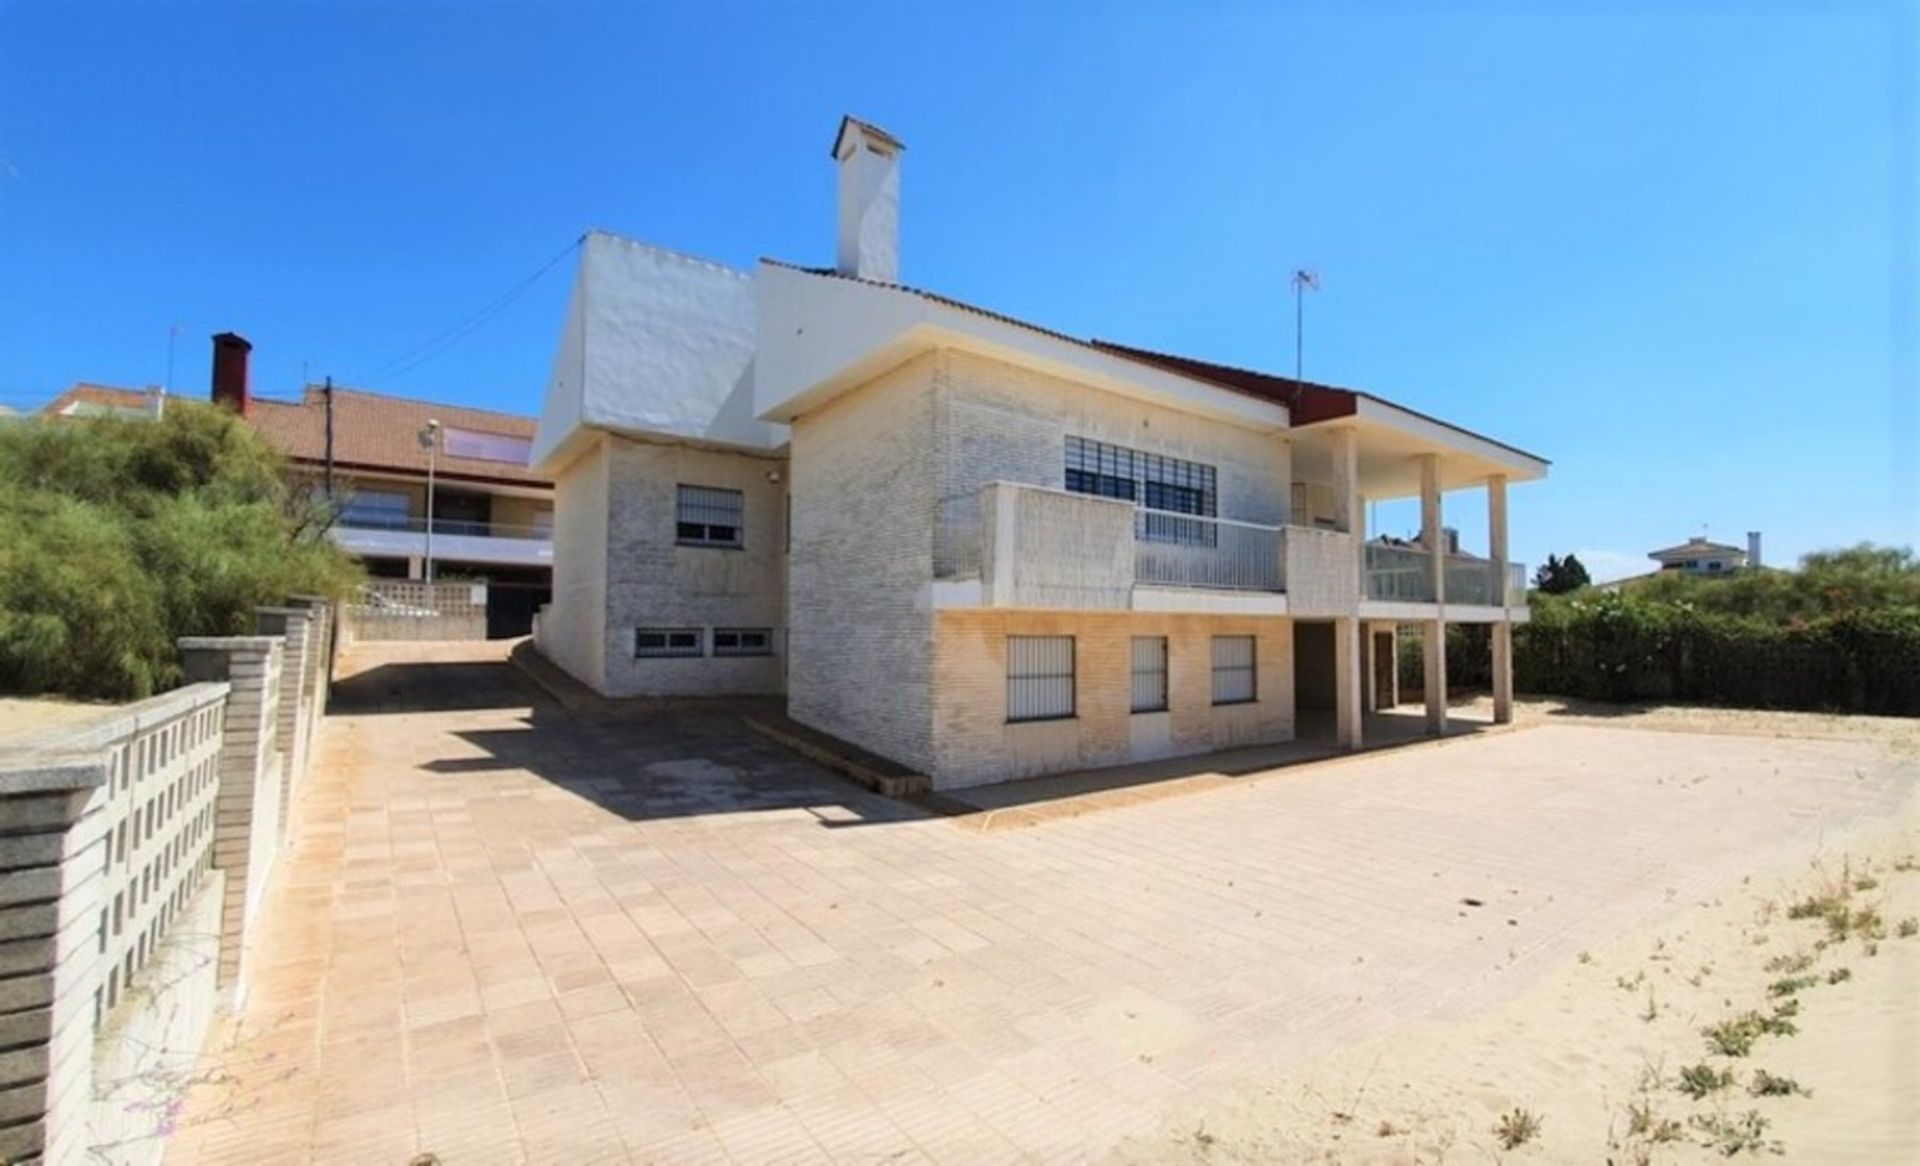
(708, 517)
(667, 642)
(1039, 678)
(1162, 486)
(1233, 670)
(743, 641)
(1149, 674)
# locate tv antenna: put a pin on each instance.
(1305, 279)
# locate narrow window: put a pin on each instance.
(1233, 670)
(1149, 674)
(743, 641)
(667, 642)
(707, 517)
(1039, 678)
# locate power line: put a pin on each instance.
(420, 354)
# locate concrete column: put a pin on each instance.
(1497, 537)
(1347, 709)
(1348, 514)
(1431, 536)
(1393, 670)
(53, 854)
(1502, 673)
(1433, 650)
(246, 832)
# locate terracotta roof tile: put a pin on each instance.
(372, 431)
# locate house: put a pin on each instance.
(492, 514)
(1697, 556)
(974, 545)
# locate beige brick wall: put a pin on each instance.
(974, 744)
(863, 506)
(652, 581)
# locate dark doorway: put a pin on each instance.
(1313, 686)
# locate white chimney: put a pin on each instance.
(1753, 548)
(869, 244)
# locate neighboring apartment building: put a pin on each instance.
(977, 546)
(492, 516)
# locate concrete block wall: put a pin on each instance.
(298, 628)
(654, 582)
(247, 810)
(974, 744)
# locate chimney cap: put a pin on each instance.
(881, 141)
(232, 340)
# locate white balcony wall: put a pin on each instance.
(1044, 548)
(503, 551)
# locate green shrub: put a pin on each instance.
(119, 536)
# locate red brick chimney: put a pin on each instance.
(230, 351)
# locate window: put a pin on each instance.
(1149, 674)
(1233, 669)
(1039, 678)
(1160, 485)
(376, 509)
(667, 642)
(706, 517)
(486, 447)
(743, 641)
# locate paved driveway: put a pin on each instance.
(506, 933)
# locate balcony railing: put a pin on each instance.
(1183, 550)
(1403, 575)
(448, 526)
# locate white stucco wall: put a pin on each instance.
(652, 581)
(655, 342)
(573, 631)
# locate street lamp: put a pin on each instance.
(430, 441)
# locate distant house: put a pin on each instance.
(1697, 556)
(492, 515)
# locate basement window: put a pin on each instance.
(743, 641)
(665, 642)
(708, 517)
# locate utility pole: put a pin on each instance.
(430, 439)
(328, 394)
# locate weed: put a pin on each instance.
(1865, 883)
(1633, 985)
(1517, 1127)
(1799, 961)
(1643, 1122)
(1791, 984)
(1388, 1130)
(1731, 1136)
(1697, 1081)
(1839, 975)
(1652, 1011)
(1818, 906)
(1765, 1084)
(1908, 928)
(1865, 922)
(1734, 1036)
(1585, 957)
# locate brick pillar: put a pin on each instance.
(326, 638)
(50, 889)
(295, 627)
(247, 812)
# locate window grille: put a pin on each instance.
(1233, 679)
(1149, 674)
(708, 517)
(1039, 678)
(649, 642)
(1163, 486)
(743, 641)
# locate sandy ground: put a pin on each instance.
(1899, 735)
(1595, 1050)
(20, 716)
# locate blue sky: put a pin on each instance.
(1669, 246)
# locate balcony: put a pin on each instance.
(1033, 546)
(454, 540)
(1404, 575)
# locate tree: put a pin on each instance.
(118, 536)
(1558, 576)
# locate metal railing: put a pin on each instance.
(1399, 574)
(1516, 584)
(450, 526)
(1184, 550)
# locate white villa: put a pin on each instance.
(972, 545)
